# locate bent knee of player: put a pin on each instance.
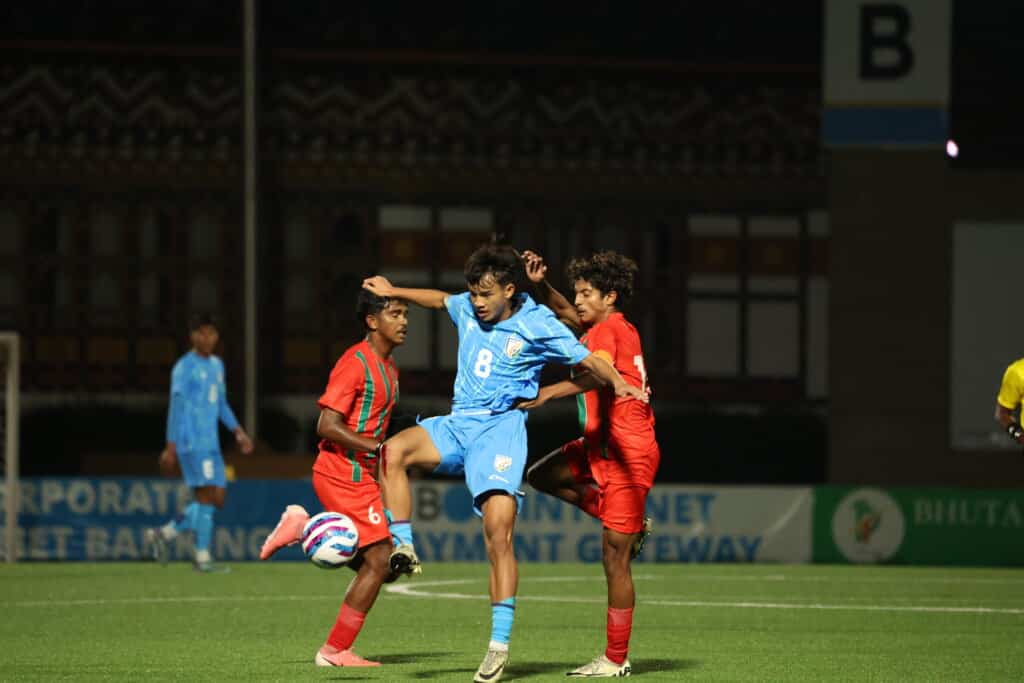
(498, 544)
(617, 545)
(541, 475)
(375, 558)
(393, 458)
(411, 447)
(210, 495)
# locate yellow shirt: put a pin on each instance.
(1011, 393)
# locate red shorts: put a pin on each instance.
(622, 485)
(361, 502)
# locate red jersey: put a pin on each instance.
(625, 424)
(364, 389)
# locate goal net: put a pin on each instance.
(10, 363)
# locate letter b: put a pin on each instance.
(874, 43)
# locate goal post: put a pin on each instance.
(10, 366)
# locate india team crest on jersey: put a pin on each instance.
(513, 345)
(502, 463)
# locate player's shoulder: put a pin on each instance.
(457, 300)
(458, 306)
(349, 355)
(622, 325)
(616, 324)
(1016, 368)
(184, 362)
(537, 320)
(533, 311)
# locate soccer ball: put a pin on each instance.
(330, 539)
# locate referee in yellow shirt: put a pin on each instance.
(1011, 394)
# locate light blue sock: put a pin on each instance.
(186, 521)
(401, 530)
(391, 520)
(502, 614)
(204, 527)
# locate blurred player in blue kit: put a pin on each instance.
(198, 401)
(505, 339)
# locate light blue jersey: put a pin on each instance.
(483, 437)
(501, 362)
(198, 402)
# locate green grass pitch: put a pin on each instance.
(693, 622)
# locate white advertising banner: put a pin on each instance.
(691, 524)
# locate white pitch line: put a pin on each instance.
(413, 590)
(249, 598)
(818, 606)
(156, 601)
(851, 580)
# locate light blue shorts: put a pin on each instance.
(205, 468)
(489, 449)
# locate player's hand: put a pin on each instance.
(628, 391)
(531, 403)
(168, 460)
(243, 441)
(379, 285)
(536, 269)
(1016, 432)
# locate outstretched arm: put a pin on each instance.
(606, 372)
(428, 298)
(536, 270)
(577, 385)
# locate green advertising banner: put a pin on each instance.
(918, 526)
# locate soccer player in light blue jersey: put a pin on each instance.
(505, 339)
(198, 401)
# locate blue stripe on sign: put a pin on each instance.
(885, 126)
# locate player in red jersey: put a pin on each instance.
(354, 413)
(609, 471)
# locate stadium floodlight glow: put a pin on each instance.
(952, 149)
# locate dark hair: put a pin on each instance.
(608, 272)
(197, 320)
(368, 303)
(498, 260)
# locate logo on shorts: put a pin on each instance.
(513, 345)
(502, 463)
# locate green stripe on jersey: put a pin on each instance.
(581, 412)
(581, 402)
(364, 413)
(387, 405)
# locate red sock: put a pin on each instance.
(591, 502)
(620, 623)
(346, 628)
